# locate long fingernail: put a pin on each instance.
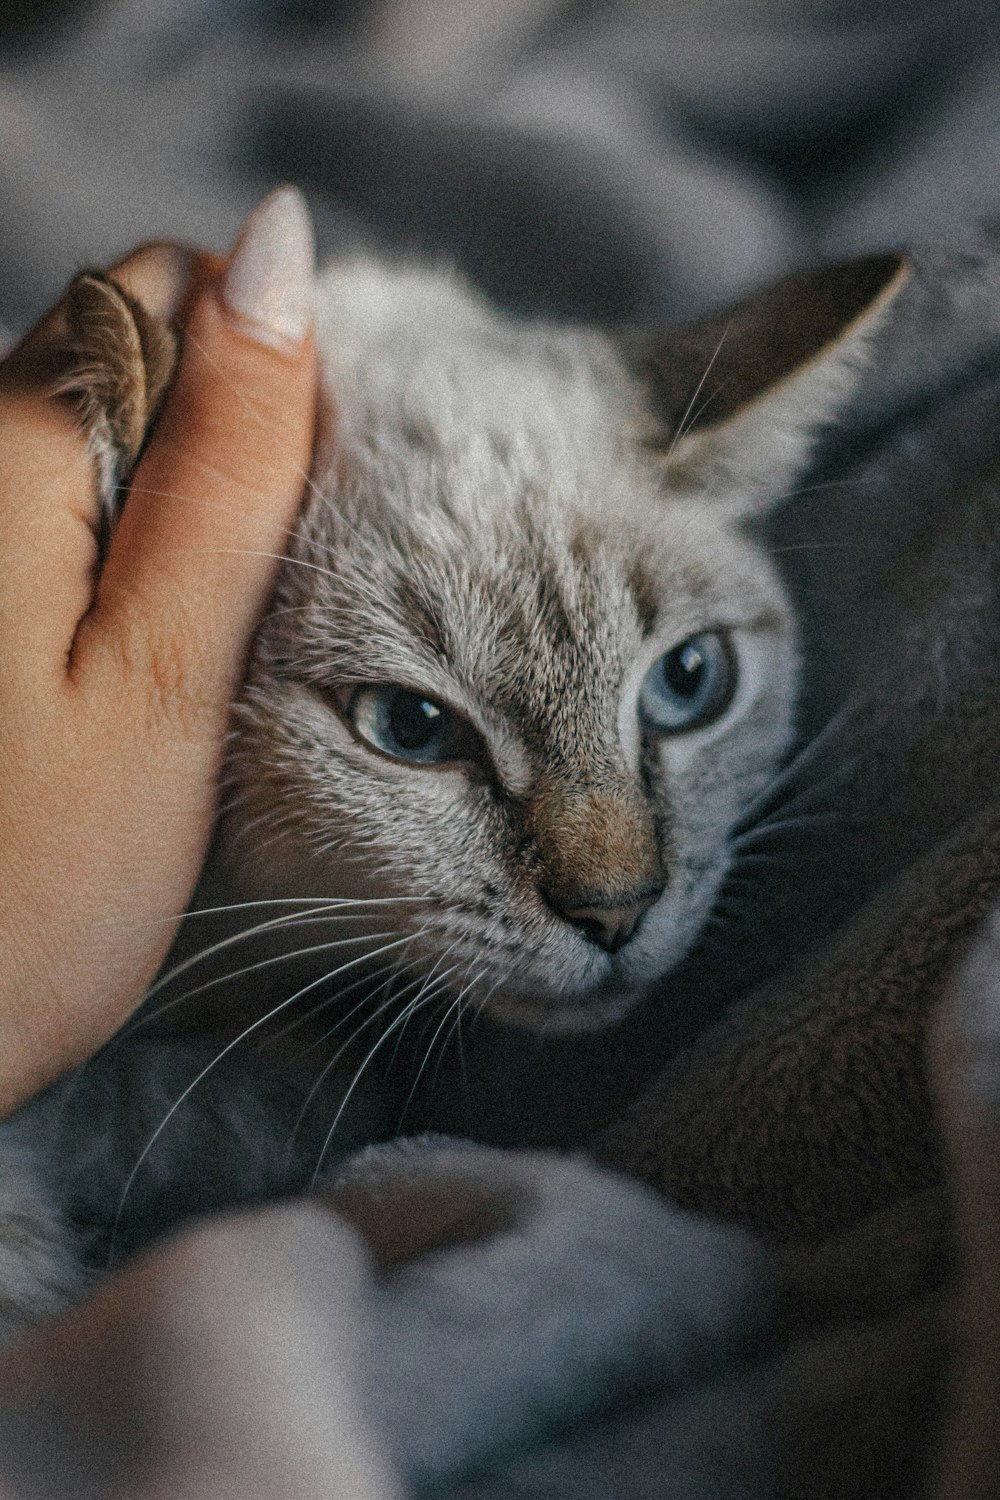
(269, 281)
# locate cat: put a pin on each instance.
(524, 672)
(524, 676)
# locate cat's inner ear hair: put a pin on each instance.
(118, 359)
(738, 397)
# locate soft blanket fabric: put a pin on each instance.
(632, 160)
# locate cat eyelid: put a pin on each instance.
(480, 762)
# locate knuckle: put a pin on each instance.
(163, 664)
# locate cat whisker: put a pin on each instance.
(785, 792)
(324, 1072)
(446, 1011)
(249, 409)
(455, 1029)
(431, 977)
(271, 924)
(314, 489)
(207, 505)
(682, 425)
(810, 489)
(331, 1062)
(234, 906)
(774, 826)
(334, 999)
(219, 1057)
(327, 908)
(264, 963)
(764, 857)
(432, 988)
(373, 1051)
(296, 562)
(482, 1004)
(777, 551)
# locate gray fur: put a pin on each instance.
(487, 525)
(494, 521)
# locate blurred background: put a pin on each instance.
(601, 159)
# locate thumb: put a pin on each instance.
(192, 560)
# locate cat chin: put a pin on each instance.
(562, 1017)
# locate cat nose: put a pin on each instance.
(610, 926)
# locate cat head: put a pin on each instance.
(524, 671)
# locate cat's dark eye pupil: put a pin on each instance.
(406, 725)
(690, 685)
(684, 669)
(415, 722)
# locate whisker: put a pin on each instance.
(334, 999)
(381, 1041)
(249, 409)
(773, 826)
(334, 906)
(331, 1062)
(214, 911)
(218, 1058)
(697, 392)
(430, 978)
(179, 498)
(263, 963)
(455, 1029)
(481, 1006)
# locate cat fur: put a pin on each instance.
(717, 1167)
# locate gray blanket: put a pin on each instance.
(631, 161)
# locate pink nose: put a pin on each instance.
(610, 926)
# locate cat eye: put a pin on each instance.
(688, 686)
(410, 727)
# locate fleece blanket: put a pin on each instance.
(630, 160)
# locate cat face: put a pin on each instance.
(522, 673)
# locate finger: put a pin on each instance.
(192, 561)
(48, 494)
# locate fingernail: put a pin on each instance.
(269, 281)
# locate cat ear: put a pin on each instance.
(110, 360)
(739, 396)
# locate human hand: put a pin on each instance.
(116, 681)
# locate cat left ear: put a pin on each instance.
(739, 396)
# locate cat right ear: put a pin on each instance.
(739, 396)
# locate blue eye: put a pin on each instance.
(411, 727)
(688, 686)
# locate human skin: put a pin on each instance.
(224, 1362)
(115, 682)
